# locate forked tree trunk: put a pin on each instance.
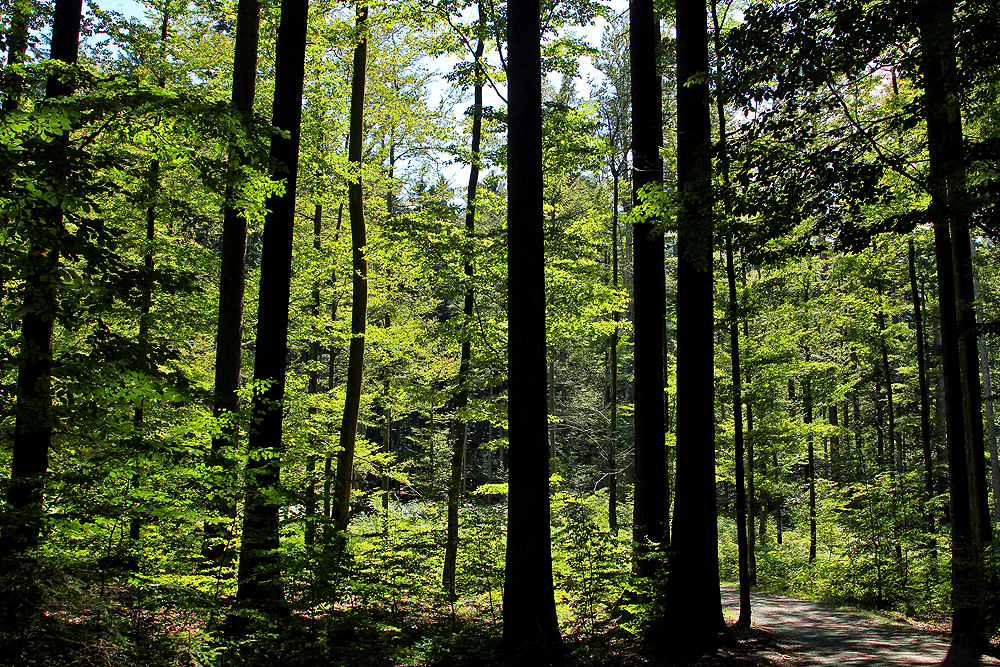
(359, 284)
(260, 585)
(232, 285)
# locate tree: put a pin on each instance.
(694, 611)
(530, 627)
(468, 306)
(649, 513)
(33, 425)
(232, 285)
(359, 281)
(260, 583)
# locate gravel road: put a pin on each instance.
(819, 635)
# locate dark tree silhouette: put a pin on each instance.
(650, 510)
(33, 403)
(259, 578)
(530, 627)
(693, 608)
(359, 284)
(232, 284)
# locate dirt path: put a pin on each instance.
(823, 636)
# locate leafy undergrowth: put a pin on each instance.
(415, 636)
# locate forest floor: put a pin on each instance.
(809, 634)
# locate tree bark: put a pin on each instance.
(530, 628)
(260, 585)
(232, 285)
(468, 310)
(734, 345)
(694, 611)
(925, 405)
(649, 512)
(33, 403)
(359, 284)
(962, 398)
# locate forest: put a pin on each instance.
(331, 329)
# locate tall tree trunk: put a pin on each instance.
(925, 405)
(465, 365)
(649, 512)
(33, 403)
(152, 193)
(232, 285)
(332, 381)
(694, 610)
(962, 398)
(260, 585)
(734, 345)
(890, 405)
(991, 425)
(613, 436)
(359, 284)
(313, 389)
(807, 400)
(530, 627)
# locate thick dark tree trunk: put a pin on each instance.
(259, 579)
(694, 611)
(232, 283)
(649, 513)
(359, 284)
(33, 402)
(465, 365)
(530, 628)
(961, 377)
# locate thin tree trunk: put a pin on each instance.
(468, 310)
(260, 585)
(925, 406)
(613, 436)
(359, 285)
(734, 345)
(313, 389)
(991, 426)
(232, 285)
(807, 400)
(530, 627)
(887, 375)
